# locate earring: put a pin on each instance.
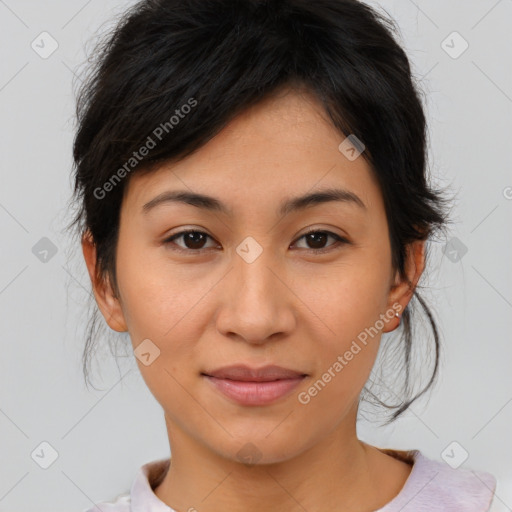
(398, 316)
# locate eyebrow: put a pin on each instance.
(294, 204)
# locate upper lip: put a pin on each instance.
(246, 373)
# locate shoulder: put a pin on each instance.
(435, 486)
(141, 496)
(120, 504)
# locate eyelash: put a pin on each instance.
(339, 241)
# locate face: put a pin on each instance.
(251, 287)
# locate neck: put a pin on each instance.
(339, 473)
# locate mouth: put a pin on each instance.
(254, 386)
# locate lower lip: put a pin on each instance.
(254, 393)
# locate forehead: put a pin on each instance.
(282, 147)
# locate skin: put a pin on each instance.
(289, 307)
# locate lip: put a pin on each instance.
(254, 386)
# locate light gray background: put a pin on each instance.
(102, 437)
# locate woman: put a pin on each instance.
(254, 211)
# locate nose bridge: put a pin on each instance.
(255, 279)
(255, 306)
(253, 275)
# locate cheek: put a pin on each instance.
(348, 301)
(164, 304)
(159, 298)
(349, 296)
(346, 350)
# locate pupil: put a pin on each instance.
(312, 237)
(190, 238)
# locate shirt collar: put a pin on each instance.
(143, 498)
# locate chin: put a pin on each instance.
(259, 450)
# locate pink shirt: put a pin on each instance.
(432, 486)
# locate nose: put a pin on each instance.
(256, 303)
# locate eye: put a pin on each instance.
(194, 240)
(318, 238)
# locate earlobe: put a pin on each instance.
(402, 291)
(108, 303)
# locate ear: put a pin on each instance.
(108, 303)
(402, 290)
